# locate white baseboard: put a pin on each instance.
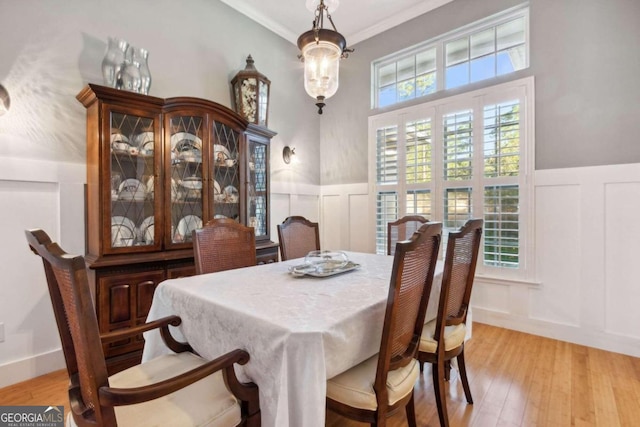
(25, 369)
(573, 334)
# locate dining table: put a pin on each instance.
(298, 330)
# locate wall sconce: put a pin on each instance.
(5, 100)
(288, 153)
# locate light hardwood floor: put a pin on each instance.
(516, 379)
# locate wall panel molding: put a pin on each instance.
(585, 231)
(36, 194)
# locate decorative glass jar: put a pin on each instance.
(113, 62)
(141, 57)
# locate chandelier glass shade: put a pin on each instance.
(321, 50)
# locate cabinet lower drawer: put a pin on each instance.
(268, 253)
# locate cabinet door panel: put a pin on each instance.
(144, 298)
(257, 196)
(185, 143)
(119, 303)
(227, 187)
(132, 171)
(124, 300)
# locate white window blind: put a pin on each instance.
(464, 157)
(387, 157)
(458, 145)
(386, 211)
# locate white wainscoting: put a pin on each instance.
(587, 289)
(340, 210)
(289, 199)
(34, 194)
(346, 218)
(586, 234)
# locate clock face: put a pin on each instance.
(248, 97)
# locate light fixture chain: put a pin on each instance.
(318, 22)
(331, 20)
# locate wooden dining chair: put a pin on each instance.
(443, 338)
(177, 389)
(223, 244)
(383, 384)
(402, 229)
(298, 236)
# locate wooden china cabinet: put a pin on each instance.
(156, 170)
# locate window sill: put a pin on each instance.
(506, 282)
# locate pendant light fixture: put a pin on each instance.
(321, 50)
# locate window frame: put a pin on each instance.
(439, 43)
(521, 90)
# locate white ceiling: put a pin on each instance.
(357, 20)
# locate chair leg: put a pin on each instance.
(411, 412)
(437, 371)
(421, 366)
(447, 370)
(463, 377)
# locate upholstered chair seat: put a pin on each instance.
(214, 407)
(453, 337)
(355, 386)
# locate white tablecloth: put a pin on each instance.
(298, 331)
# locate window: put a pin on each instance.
(409, 77)
(491, 47)
(463, 157)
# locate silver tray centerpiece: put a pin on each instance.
(324, 264)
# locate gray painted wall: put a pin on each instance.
(586, 61)
(50, 50)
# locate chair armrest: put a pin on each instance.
(162, 323)
(110, 396)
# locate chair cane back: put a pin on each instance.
(402, 229)
(443, 338)
(298, 236)
(223, 244)
(383, 384)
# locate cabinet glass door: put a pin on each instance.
(132, 171)
(257, 194)
(184, 186)
(225, 172)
